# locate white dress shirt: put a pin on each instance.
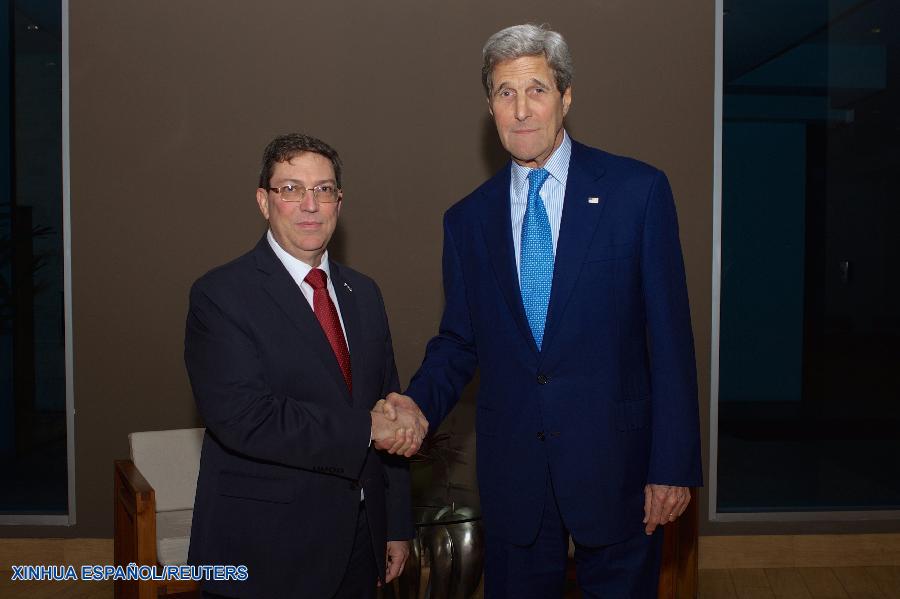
(553, 192)
(298, 270)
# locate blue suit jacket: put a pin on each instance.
(610, 402)
(286, 447)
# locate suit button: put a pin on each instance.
(541, 435)
(542, 379)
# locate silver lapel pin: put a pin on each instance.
(349, 288)
(593, 200)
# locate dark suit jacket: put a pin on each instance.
(286, 447)
(610, 403)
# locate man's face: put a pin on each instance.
(302, 228)
(528, 109)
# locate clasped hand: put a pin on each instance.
(398, 425)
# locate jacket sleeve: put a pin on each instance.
(451, 356)
(397, 494)
(242, 411)
(675, 453)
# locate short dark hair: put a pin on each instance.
(286, 147)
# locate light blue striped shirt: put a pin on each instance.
(552, 193)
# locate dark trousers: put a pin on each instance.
(361, 577)
(625, 570)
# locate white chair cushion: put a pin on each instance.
(170, 461)
(173, 535)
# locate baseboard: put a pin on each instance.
(75, 552)
(799, 551)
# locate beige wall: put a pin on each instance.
(172, 103)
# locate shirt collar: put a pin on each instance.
(557, 165)
(298, 269)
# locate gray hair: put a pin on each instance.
(528, 40)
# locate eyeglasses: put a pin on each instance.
(323, 194)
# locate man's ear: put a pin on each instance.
(566, 100)
(262, 200)
(490, 108)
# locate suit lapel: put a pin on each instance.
(285, 293)
(349, 307)
(497, 228)
(579, 221)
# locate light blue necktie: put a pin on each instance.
(536, 257)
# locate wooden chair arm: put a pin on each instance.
(132, 478)
(135, 516)
(132, 491)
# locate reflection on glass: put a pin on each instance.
(809, 395)
(33, 466)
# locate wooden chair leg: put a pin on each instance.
(678, 576)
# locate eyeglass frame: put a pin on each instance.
(316, 189)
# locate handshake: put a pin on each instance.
(398, 425)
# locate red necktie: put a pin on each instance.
(328, 318)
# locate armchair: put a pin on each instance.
(154, 501)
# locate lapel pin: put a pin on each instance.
(593, 200)
(349, 288)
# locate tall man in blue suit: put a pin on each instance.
(565, 286)
(288, 352)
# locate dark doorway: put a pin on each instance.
(809, 395)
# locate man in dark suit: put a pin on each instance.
(565, 285)
(287, 353)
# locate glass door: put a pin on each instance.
(809, 337)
